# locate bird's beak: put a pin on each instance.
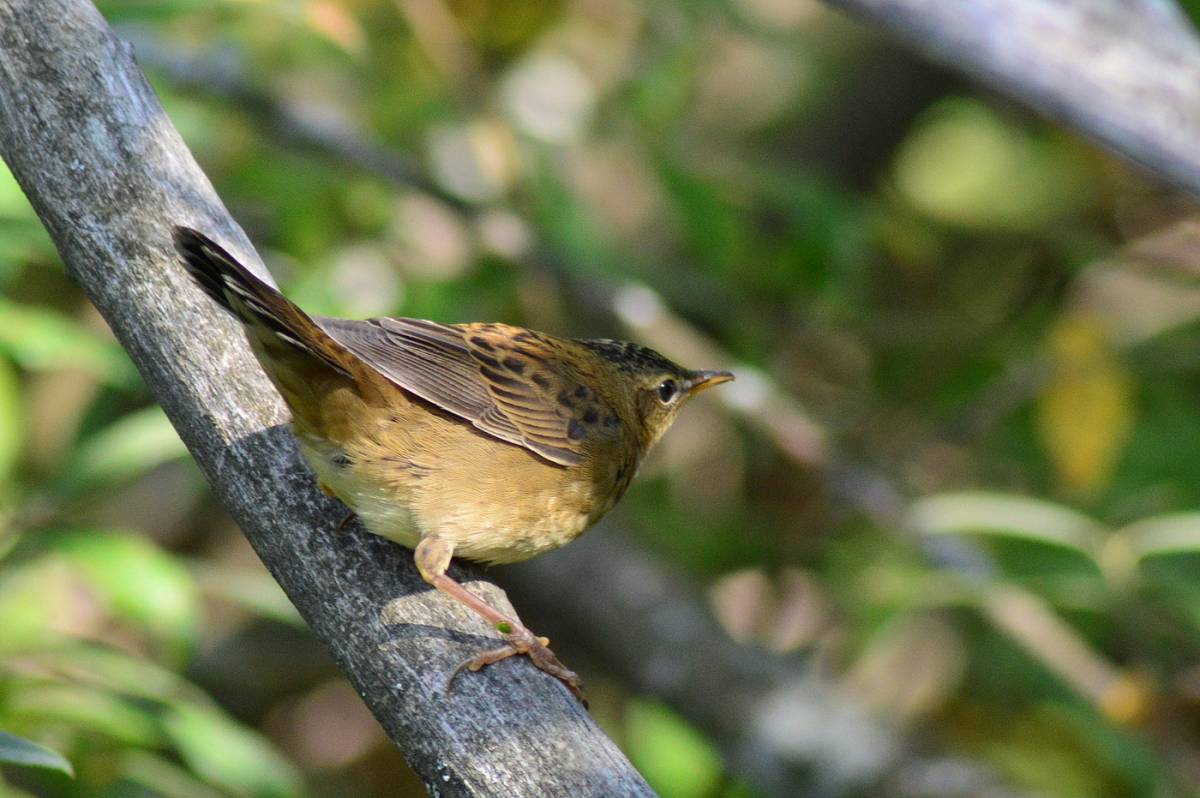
(703, 380)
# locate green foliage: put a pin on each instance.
(11, 421)
(228, 756)
(677, 761)
(965, 164)
(121, 451)
(141, 584)
(42, 340)
(18, 751)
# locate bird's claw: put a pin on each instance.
(521, 641)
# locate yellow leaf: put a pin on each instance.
(1084, 412)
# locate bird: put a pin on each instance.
(484, 441)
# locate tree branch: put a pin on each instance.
(108, 174)
(1125, 72)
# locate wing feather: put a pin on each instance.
(506, 381)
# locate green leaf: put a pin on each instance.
(84, 708)
(40, 339)
(229, 756)
(1177, 533)
(968, 165)
(138, 582)
(161, 777)
(19, 751)
(12, 425)
(677, 761)
(32, 597)
(981, 512)
(12, 198)
(113, 670)
(123, 451)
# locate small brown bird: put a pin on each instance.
(483, 441)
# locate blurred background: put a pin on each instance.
(957, 483)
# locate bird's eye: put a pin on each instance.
(666, 391)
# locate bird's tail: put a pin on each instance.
(273, 321)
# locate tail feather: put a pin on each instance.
(252, 301)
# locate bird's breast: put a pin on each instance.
(495, 501)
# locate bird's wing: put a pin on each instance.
(503, 380)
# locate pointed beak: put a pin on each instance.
(703, 380)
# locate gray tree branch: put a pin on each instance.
(108, 175)
(1125, 72)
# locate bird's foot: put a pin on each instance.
(520, 641)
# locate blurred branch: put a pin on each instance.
(779, 723)
(108, 175)
(1126, 72)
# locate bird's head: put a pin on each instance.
(653, 387)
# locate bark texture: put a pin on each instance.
(108, 174)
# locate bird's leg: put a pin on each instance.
(433, 558)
